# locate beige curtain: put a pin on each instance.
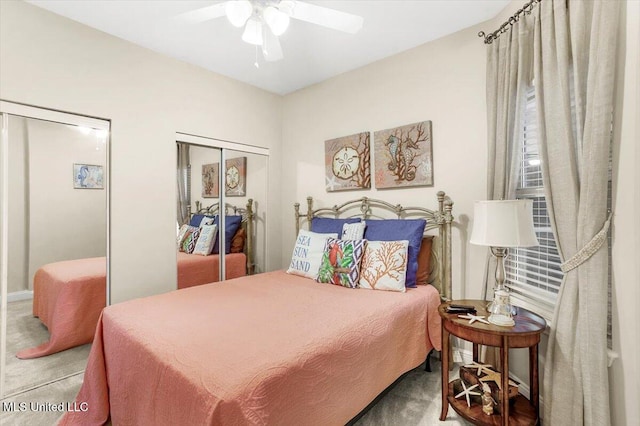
(509, 70)
(183, 183)
(575, 50)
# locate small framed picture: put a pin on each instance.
(88, 176)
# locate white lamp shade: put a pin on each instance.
(238, 11)
(277, 21)
(504, 223)
(253, 32)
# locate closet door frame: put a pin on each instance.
(223, 146)
(9, 108)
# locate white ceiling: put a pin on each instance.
(311, 53)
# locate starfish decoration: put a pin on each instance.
(467, 392)
(331, 183)
(473, 318)
(494, 376)
(482, 368)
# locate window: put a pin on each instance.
(533, 273)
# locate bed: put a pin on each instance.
(68, 296)
(271, 348)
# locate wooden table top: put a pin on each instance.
(526, 322)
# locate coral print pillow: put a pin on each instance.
(341, 262)
(384, 265)
(307, 253)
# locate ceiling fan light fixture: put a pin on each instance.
(238, 11)
(253, 32)
(276, 20)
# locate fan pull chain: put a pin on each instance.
(257, 65)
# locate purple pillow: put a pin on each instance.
(232, 223)
(400, 229)
(327, 225)
(197, 218)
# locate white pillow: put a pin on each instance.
(307, 253)
(207, 238)
(353, 231)
(206, 221)
(384, 265)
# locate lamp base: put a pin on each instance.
(501, 320)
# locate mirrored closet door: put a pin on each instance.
(54, 243)
(221, 210)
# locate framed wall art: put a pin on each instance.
(348, 162)
(88, 176)
(404, 156)
(211, 180)
(236, 177)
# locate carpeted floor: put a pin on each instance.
(414, 401)
(24, 331)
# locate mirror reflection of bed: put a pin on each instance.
(56, 215)
(200, 175)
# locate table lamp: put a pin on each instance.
(500, 225)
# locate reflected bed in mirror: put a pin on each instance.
(56, 207)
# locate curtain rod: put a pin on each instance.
(526, 9)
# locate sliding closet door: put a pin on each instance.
(226, 183)
(54, 210)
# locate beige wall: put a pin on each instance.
(64, 223)
(50, 61)
(442, 81)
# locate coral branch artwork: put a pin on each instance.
(403, 156)
(210, 180)
(348, 162)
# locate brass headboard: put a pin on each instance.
(248, 216)
(441, 219)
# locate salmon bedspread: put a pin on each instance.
(194, 269)
(68, 296)
(266, 349)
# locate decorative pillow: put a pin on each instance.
(204, 245)
(384, 265)
(424, 260)
(232, 223)
(400, 229)
(327, 225)
(196, 219)
(181, 234)
(307, 253)
(190, 239)
(341, 262)
(353, 231)
(207, 220)
(237, 242)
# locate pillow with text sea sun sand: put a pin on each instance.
(307, 253)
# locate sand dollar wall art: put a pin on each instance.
(404, 156)
(348, 162)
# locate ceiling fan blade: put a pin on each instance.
(326, 17)
(271, 48)
(204, 13)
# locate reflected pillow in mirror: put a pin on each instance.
(190, 239)
(231, 224)
(307, 253)
(181, 234)
(237, 243)
(207, 220)
(196, 220)
(204, 245)
(384, 265)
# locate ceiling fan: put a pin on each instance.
(265, 20)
